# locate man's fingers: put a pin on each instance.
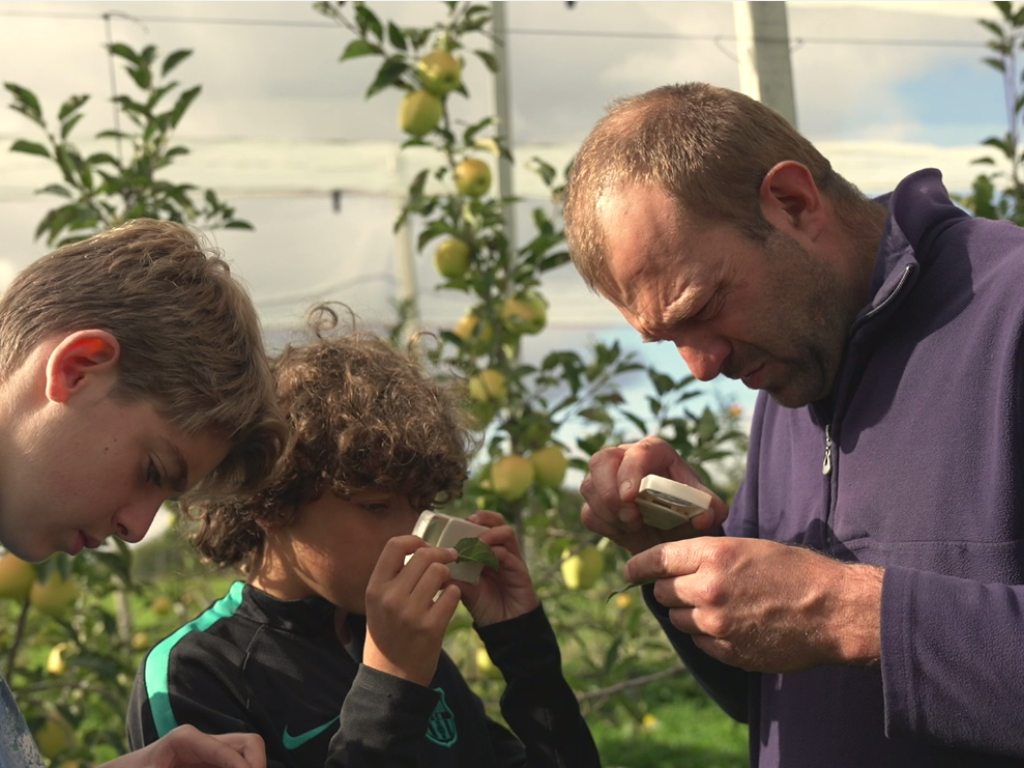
(650, 456)
(601, 483)
(674, 558)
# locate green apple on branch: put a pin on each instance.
(419, 113)
(440, 72)
(512, 476)
(451, 258)
(473, 177)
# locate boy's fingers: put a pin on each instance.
(487, 517)
(392, 557)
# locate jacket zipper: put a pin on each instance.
(826, 465)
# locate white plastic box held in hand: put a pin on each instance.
(442, 530)
(665, 504)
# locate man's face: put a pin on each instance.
(95, 467)
(773, 315)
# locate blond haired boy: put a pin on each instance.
(132, 371)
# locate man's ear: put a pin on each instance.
(791, 201)
(80, 358)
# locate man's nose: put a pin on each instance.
(705, 356)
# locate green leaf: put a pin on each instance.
(366, 20)
(26, 102)
(620, 590)
(183, 103)
(54, 189)
(29, 148)
(395, 36)
(488, 59)
(70, 105)
(69, 125)
(174, 60)
(122, 50)
(388, 74)
(359, 48)
(472, 550)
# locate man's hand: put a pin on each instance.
(404, 624)
(764, 606)
(610, 489)
(188, 747)
(508, 592)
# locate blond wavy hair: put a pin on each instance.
(190, 339)
(362, 415)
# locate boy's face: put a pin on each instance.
(93, 468)
(336, 543)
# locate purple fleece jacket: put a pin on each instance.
(926, 445)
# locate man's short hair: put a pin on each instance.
(362, 415)
(190, 339)
(708, 148)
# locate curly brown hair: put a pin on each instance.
(362, 415)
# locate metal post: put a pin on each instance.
(762, 49)
(503, 110)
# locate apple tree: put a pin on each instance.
(537, 418)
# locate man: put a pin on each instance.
(862, 606)
(132, 371)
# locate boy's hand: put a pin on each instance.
(188, 747)
(404, 624)
(508, 592)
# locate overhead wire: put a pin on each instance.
(635, 35)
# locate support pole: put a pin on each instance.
(762, 48)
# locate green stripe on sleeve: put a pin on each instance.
(159, 659)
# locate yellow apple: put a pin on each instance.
(473, 177)
(582, 571)
(419, 113)
(550, 464)
(469, 325)
(55, 663)
(140, 641)
(526, 313)
(162, 605)
(56, 596)
(465, 326)
(489, 386)
(16, 577)
(623, 600)
(512, 476)
(484, 665)
(55, 736)
(439, 72)
(452, 257)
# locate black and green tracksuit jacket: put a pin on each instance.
(277, 668)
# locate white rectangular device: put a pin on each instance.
(440, 530)
(665, 504)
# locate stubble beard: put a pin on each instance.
(812, 329)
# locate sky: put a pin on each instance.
(882, 87)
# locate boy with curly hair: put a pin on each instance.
(132, 370)
(331, 649)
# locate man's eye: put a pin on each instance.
(374, 507)
(153, 474)
(709, 309)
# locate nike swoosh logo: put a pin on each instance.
(294, 742)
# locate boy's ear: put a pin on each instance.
(80, 357)
(791, 201)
